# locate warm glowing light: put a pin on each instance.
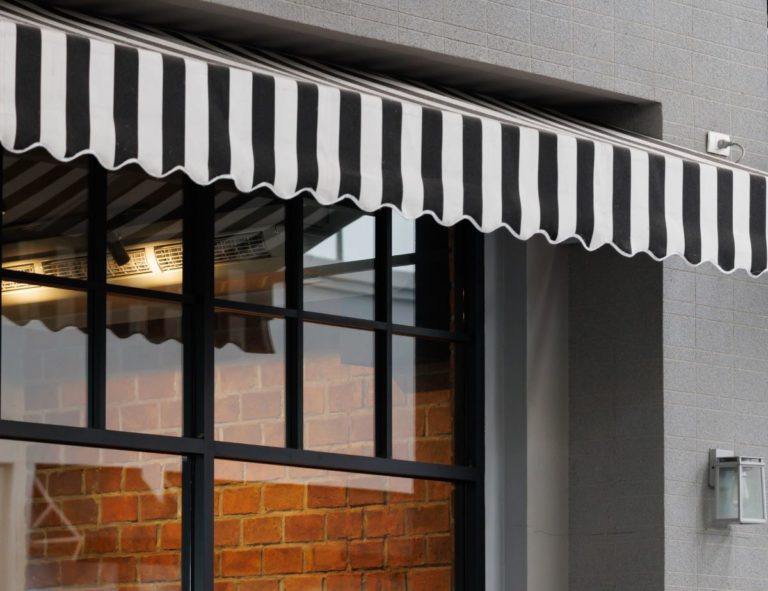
(148, 266)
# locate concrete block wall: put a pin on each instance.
(716, 395)
(705, 61)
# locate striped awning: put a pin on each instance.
(77, 85)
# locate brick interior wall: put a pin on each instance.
(250, 395)
(95, 526)
(43, 374)
(277, 529)
(250, 400)
(338, 404)
(144, 385)
(423, 402)
(319, 531)
(105, 527)
(338, 407)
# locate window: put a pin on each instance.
(234, 389)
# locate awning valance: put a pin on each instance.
(77, 85)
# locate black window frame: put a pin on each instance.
(197, 445)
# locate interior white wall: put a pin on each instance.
(526, 415)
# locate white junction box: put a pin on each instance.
(713, 143)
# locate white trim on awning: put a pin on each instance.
(78, 85)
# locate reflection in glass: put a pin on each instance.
(752, 492)
(293, 528)
(249, 254)
(338, 389)
(250, 378)
(44, 355)
(144, 361)
(339, 248)
(77, 518)
(144, 231)
(423, 399)
(45, 209)
(423, 284)
(403, 235)
(728, 493)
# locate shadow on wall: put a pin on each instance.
(616, 422)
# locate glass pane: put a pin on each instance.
(728, 493)
(45, 212)
(82, 518)
(423, 398)
(423, 282)
(44, 355)
(752, 497)
(289, 528)
(144, 231)
(250, 248)
(144, 366)
(338, 260)
(403, 235)
(250, 378)
(338, 389)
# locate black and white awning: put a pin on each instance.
(76, 85)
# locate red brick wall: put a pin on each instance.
(330, 532)
(109, 527)
(277, 529)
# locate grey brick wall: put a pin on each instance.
(704, 60)
(716, 395)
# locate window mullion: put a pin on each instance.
(383, 343)
(198, 311)
(97, 297)
(470, 413)
(198, 337)
(198, 522)
(294, 338)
